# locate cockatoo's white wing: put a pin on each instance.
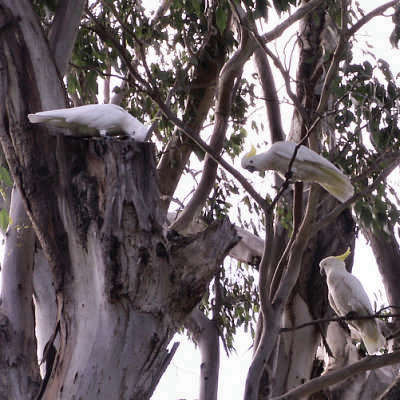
(346, 294)
(96, 116)
(93, 118)
(309, 166)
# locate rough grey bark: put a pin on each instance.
(248, 250)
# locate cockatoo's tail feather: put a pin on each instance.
(37, 118)
(337, 184)
(371, 336)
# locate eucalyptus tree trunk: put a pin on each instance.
(122, 285)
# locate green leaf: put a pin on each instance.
(221, 19)
(261, 8)
(4, 219)
(196, 4)
(5, 176)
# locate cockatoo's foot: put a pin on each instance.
(351, 315)
(289, 175)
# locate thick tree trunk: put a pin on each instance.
(126, 288)
(122, 287)
(19, 370)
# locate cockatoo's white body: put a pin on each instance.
(94, 119)
(308, 166)
(346, 294)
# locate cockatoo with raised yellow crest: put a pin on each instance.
(347, 295)
(308, 166)
(92, 120)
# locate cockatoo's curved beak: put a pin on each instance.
(343, 256)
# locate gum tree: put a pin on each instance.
(101, 267)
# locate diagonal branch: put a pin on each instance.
(372, 14)
(317, 384)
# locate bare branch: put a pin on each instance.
(334, 65)
(296, 16)
(161, 10)
(372, 14)
(339, 319)
(63, 31)
(286, 78)
(270, 95)
(317, 384)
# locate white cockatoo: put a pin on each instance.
(347, 295)
(308, 166)
(94, 119)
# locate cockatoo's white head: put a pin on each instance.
(248, 160)
(333, 261)
(135, 129)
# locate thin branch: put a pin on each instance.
(372, 14)
(206, 148)
(339, 319)
(286, 77)
(317, 384)
(296, 16)
(99, 71)
(334, 64)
